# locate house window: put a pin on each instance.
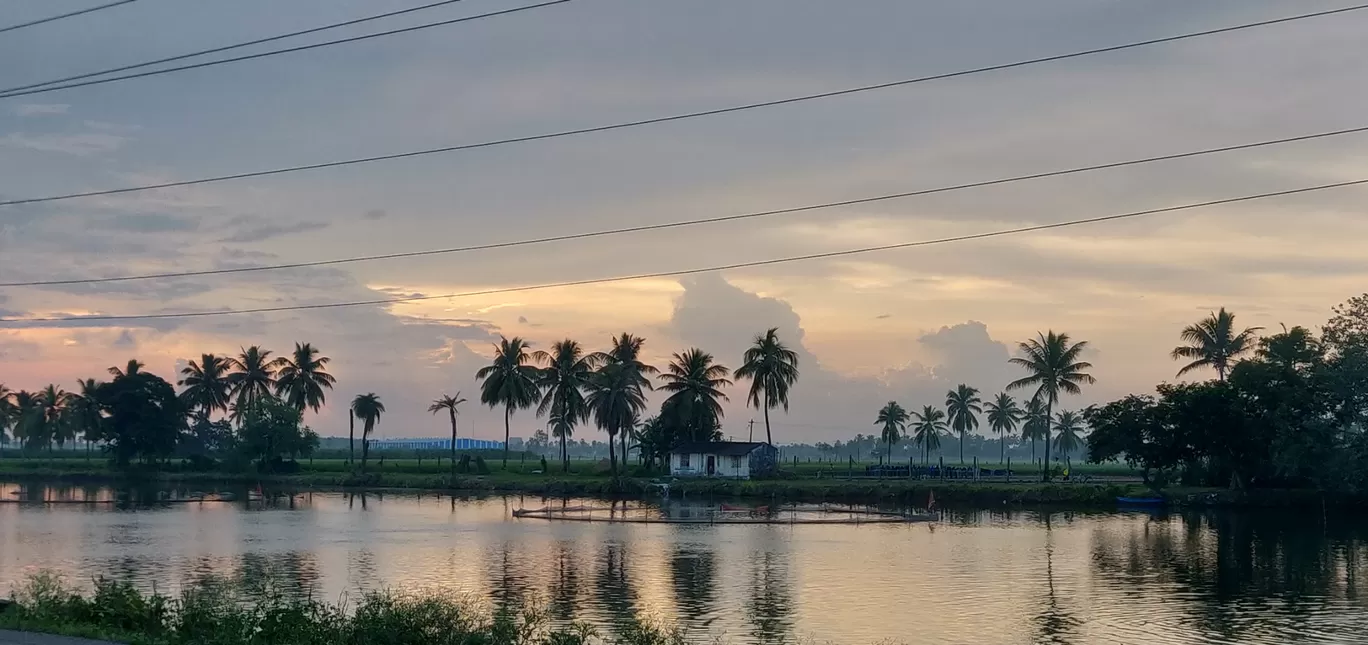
(736, 463)
(684, 461)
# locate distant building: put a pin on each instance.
(728, 459)
(430, 443)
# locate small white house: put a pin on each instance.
(727, 459)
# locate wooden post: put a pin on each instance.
(909, 467)
(976, 470)
(942, 467)
(1009, 469)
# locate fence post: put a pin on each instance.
(1009, 469)
(976, 470)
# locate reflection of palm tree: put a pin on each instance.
(926, 430)
(770, 606)
(893, 419)
(772, 369)
(1055, 622)
(510, 380)
(614, 587)
(693, 574)
(1003, 416)
(367, 408)
(962, 404)
(1212, 342)
(565, 588)
(1054, 368)
(450, 404)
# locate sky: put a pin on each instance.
(903, 325)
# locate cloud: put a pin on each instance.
(263, 232)
(85, 144)
(39, 109)
(375, 213)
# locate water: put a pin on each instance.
(974, 577)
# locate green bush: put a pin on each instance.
(481, 467)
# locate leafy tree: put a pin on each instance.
(615, 401)
(893, 418)
(134, 366)
(302, 379)
(961, 406)
(928, 425)
(1213, 342)
(563, 385)
(1067, 427)
(206, 384)
(1003, 417)
(511, 380)
(143, 417)
(252, 379)
(1131, 428)
(1053, 367)
(695, 385)
(451, 405)
(273, 433)
(208, 438)
(654, 442)
(772, 369)
(367, 408)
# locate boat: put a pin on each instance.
(1140, 501)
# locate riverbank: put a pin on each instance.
(212, 612)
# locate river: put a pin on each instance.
(980, 577)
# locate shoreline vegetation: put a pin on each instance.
(213, 612)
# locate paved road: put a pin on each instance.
(25, 638)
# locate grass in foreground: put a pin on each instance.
(213, 613)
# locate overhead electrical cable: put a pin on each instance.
(695, 222)
(277, 52)
(671, 118)
(224, 48)
(684, 272)
(70, 14)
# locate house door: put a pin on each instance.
(712, 465)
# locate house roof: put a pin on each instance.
(722, 448)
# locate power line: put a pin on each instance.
(276, 52)
(695, 222)
(71, 14)
(224, 48)
(676, 117)
(684, 272)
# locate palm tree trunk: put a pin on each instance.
(365, 451)
(1049, 415)
(508, 411)
(565, 455)
(351, 437)
(612, 457)
(961, 446)
(453, 443)
(1002, 454)
(769, 438)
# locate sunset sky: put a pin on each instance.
(904, 324)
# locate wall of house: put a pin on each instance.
(729, 467)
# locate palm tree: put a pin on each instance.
(1054, 368)
(1003, 416)
(893, 418)
(206, 385)
(133, 367)
(961, 405)
(627, 351)
(1067, 426)
(7, 413)
(85, 412)
(1212, 342)
(564, 383)
(368, 408)
(615, 400)
(52, 403)
(1035, 424)
(695, 384)
(302, 378)
(252, 380)
(510, 380)
(927, 429)
(27, 415)
(450, 404)
(772, 369)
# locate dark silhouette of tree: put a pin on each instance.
(563, 384)
(302, 379)
(133, 367)
(451, 405)
(772, 369)
(1067, 427)
(926, 430)
(615, 400)
(1003, 416)
(893, 419)
(7, 413)
(206, 385)
(367, 408)
(253, 379)
(1053, 367)
(84, 410)
(511, 380)
(143, 417)
(1035, 425)
(627, 351)
(962, 404)
(1213, 342)
(695, 385)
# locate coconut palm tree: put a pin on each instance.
(27, 419)
(52, 405)
(133, 367)
(627, 350)
(206, 385)
(928, 425)
(772, 369)
(85, 412)
(1212, 342)
(563, 384)
(615, 401)
(1035, 425)
(252, 379)
(1067, 427)
(7, 413)
(511, 380)
(893, 418)
(302, 378)
(961, 406)
(1003, 416)
(695, 385)
(1051, 361)
(367, 408)
(450, 404)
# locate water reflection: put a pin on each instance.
(975, 577)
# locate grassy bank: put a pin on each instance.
(213, 613)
